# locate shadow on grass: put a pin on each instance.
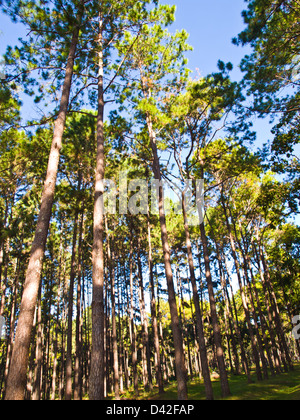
(282, 387)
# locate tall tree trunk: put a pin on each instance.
(237, 326)
(275, 309)
(16, 383)
(246, 267)
(263, 323)
(181, 373)
(213, 310)
(12, 320)
(56, 332)
(114, 336)
(199, 321)
(78, 357)
(69, 387)
(158, 370)
(5, 275)
(38, 352)
(132, 327)
(262, 341)
(110, 257)
(213, 307)
(146, 343)
(270, 318)
(96, 391)
(3, 254)
(243, 295)
(228, 312)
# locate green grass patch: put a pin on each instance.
(281, 387)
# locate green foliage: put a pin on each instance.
(272, 72)
(199, 126)
(9, 108)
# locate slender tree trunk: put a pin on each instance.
(243, 295)
(183, 322)
(237, 327)
(110, 257)
(3, 255)
(200, 330)
(276, 315)
(107, 339)
(16, 383)
(268, 307)
(181, 373)
(114, 336)
(120, 322)
(98, 318)
(55, 363)
(146, 344)
(158, 370)
(245, 256)
(12, 320)
(78, 357)
(213, 307)
(165, 368)
(132, 327)
(69, 387)
(252, 290)
(4, 282)
(263, 324)
(228, 311)
(128, 323)
(38, 352)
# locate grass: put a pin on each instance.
(282, 387)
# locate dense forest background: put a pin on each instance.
(100, 303)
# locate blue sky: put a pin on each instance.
(211, 24)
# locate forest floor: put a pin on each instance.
(282, 387)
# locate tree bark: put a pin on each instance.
(181, 373)
(146, 344)
(213, 308)
(158, 369)
(228, 317)
(132, 327)
(200, 330)
(38, 352)
(274, 306)
(96, 391)
(243, 295)
(16, 383)
(110, 257)
(237, 326)
(69, 387)
(78, 357)
(270, 318)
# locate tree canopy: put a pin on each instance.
(145, 238)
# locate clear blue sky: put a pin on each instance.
(212, 25)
